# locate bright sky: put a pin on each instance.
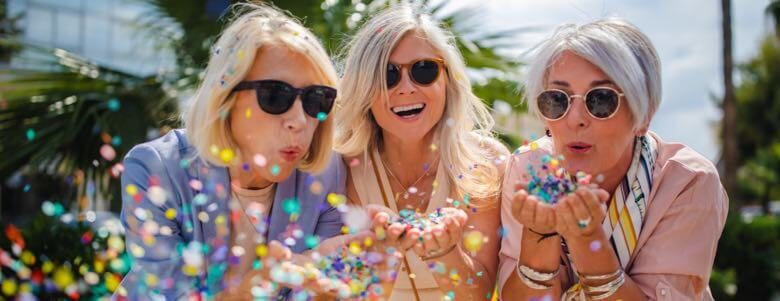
(686, 33)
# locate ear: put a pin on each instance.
(642, 130)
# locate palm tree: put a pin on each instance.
(729, 155)
(75, 119)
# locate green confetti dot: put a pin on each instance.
(113, 104)
(312, 241)
(30, 134)
(321, 116)
(291, 206)
(275, 170)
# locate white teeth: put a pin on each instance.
(407, 108)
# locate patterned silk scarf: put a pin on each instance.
(628, 206)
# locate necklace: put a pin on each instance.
(406, 188)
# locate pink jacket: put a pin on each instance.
(685, 216)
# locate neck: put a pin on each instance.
(249, 179)
(615, 175)
(407, 158)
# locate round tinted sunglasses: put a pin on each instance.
(422, 72)
(602, 103)
(276, 97)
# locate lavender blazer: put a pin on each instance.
(202, 221)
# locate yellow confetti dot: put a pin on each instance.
(240, 54)
(248, 113)
(344, 230)
(335, 199)
(9, 287)
(554, 163)
(28, 257)
(131, 189)
(368, 242)
(170, 213)
(190, 270)
(47, 267)
(220, 220)
(354, 248)
(62, 277)
(473, 241)
(433, 147)
(261, 250)
(534, 146)
(214, 149)
(116, 243)
(99, 266)
(112, 282)
(412, 275)
(151, 280)
(227, 155)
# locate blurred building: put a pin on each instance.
(104, 31)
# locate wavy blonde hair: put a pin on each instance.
(252, 27)
(465, 125)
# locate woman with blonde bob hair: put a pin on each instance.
(205, 207)
(418, 142)
(647, 226)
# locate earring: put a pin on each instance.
(547, 132)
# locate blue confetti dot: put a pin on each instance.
(321, 116)
(116, 141)
(275, 170)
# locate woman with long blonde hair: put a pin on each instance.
(418, 141)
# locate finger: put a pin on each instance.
(429, 242)
(578, 204)
(380, 220)
(518, 201)
(598, 208)
(565, 217)
(529, 210)
(455, 231)
(441, 236)
(408, 242)
(394, 232)
(278, 251)
(545, 216)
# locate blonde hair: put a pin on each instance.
(465, 124)
(252, 27)
(619, 49)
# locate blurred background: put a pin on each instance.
(82, 81)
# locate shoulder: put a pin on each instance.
(170, 146)
(334, 175)
(684, 173)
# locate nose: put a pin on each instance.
(405, 85)
(578, 117)
(295, 118)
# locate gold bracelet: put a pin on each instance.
(606, 290)
(600, 277)
(534, 274)
(438, 254)
(530, 283)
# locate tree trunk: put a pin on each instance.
(729, 156)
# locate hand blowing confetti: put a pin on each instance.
(552, 182)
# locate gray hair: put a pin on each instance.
(619, 49)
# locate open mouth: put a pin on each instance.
(408, 111)
(579, 147)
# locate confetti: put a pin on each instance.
(551, 182)
(260, 160)
(473, 241)
(30, 134)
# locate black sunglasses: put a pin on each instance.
(422, 72)
(602, 103)
(276, 97)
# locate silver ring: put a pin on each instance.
(583, 223)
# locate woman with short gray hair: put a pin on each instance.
(648, 226)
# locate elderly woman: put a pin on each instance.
(203, 205)
(649, 232)
(415, 136)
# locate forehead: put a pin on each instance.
(413, 45)
(279, 62)
(570, 67)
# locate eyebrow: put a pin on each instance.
(594, 83)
